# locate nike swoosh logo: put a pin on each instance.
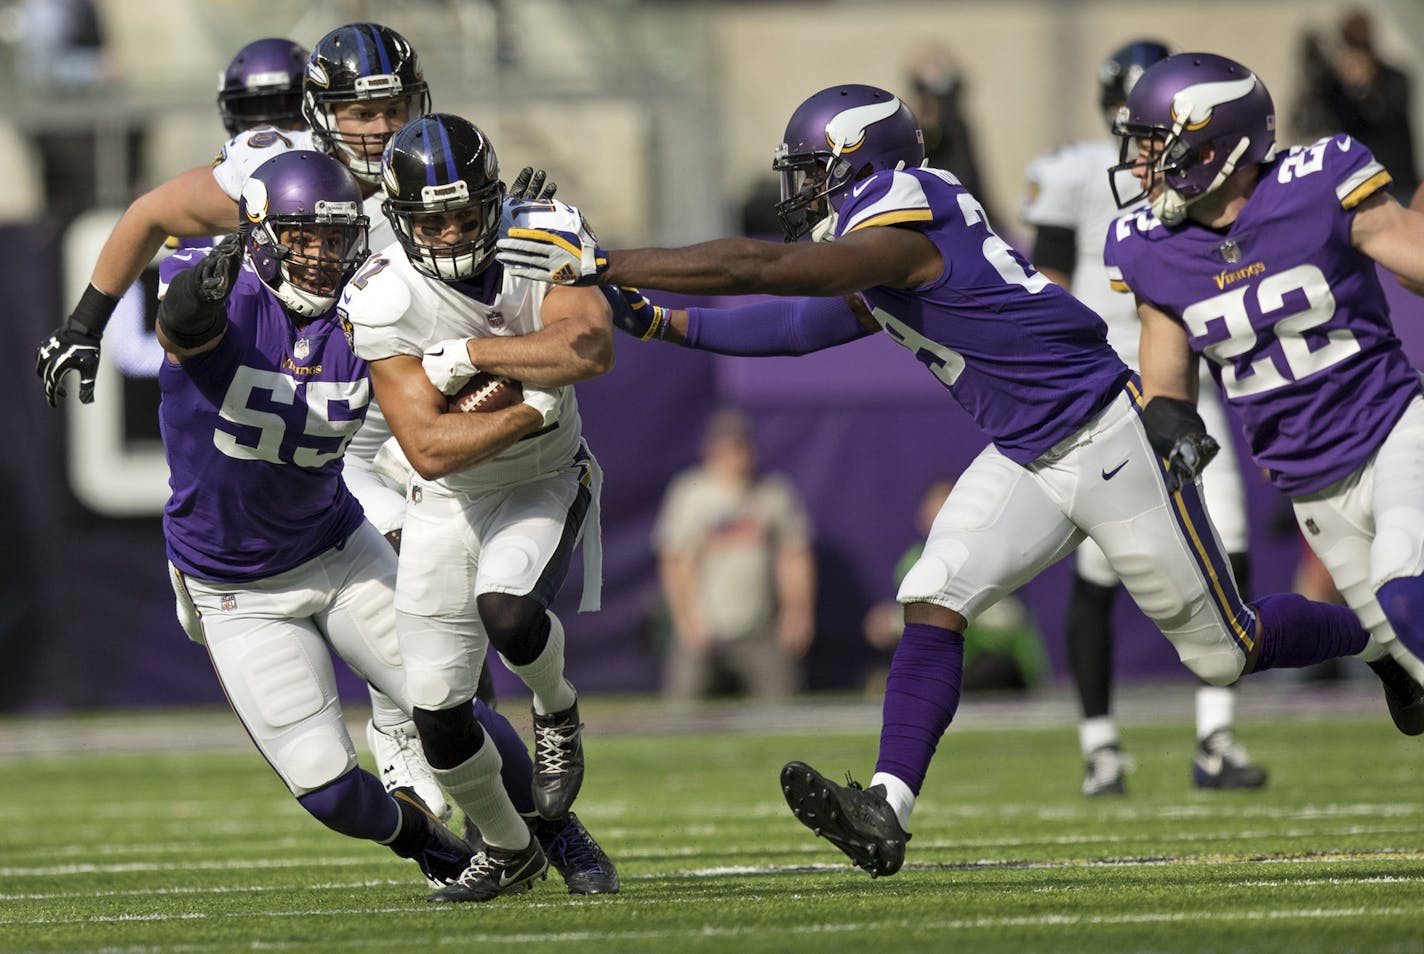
(505, 880)
(1110, 474)
(855, 193)
(1344, 146)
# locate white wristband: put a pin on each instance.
(448, 366)
(545, 401)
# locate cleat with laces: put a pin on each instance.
(400, 763)
(558, 761)
(858, 821)
(1403, 694)
(1104, 771)
(496, 871)
(441, 854)
(1221, 762)
(575, 854)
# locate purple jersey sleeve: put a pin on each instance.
(1290, 315)
(778, 326)
(1029, 362)
(254, 431)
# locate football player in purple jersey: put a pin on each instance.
(272, 562)
(1074, 449)
(1263, 262)
(1071, 207)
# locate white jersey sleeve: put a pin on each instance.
(373, 305)
(243, 153)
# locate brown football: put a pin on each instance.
(486, 392)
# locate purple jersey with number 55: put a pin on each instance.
(254, 431)
(1029, 362)
(1289, 313)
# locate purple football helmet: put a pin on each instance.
(308, 233)
(354, 63)
(1191, 103)
(262, 86)
(834, 139)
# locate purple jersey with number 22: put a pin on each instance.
(1290, 314)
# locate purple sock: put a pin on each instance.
(356, 804)
(921, 695)
(1297, 632)
(1403, 604)
(517, 769)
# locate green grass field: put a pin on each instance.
(202, 851)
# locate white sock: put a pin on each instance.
(545, 675)
(1095, 733)
(475, 785)
(1216, 709)
(898, 794)
(385, 713)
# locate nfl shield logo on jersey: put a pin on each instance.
(495, 319)
(301, 349)
(1230, 251)
(229, 602)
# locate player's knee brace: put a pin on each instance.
(356, 804)
(449, 737)
(518, 626)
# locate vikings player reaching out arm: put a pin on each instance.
(1032, 366)
(1263, 262)
(499, 498)
(1071, 207)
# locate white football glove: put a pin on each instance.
(551, 255)
(545, 401)
(448, 366)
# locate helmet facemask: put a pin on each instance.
(810, 182)
(306, 258)
(361, 152)
(419, 227)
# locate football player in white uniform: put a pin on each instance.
(1070, 207)
(499, 498)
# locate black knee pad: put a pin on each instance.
(448, 737)
(518, 626)
(1241, 571)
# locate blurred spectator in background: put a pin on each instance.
(63, 44)
(1348, 88)
(737, 570)
(1002, 647)
(936, 89)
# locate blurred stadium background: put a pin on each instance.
(658, 119)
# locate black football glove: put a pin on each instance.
(1188, 459)
(1176, 431)
(530, 185)
(218, 271)
(72, 347)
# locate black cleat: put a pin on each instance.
(858, 821)
(558, 761)
(575, 854)
(442, 855)
(1105, 771)
(1222, 762)
(1403, 694)
(496, 871)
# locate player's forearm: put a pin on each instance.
(777, 327)
(730, 266)
(130, 247)
(562, 354)
(452, 442)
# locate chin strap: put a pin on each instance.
(825, 230)
(1170, 206)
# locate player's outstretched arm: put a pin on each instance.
(575, 344)
(190, 204)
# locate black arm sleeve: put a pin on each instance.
(1055, 247)
(187, 318)
(1168, 420)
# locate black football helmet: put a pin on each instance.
(439, 164)
(262, 86)
(1123, 68)
(360, 61)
